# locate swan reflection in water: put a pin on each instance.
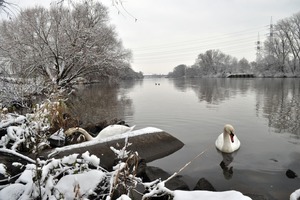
(225, 164)
(227, 144)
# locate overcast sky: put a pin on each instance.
(165, 33)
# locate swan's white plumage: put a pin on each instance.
(109, 131)
(295, 195)
(225, 142)
(115, 129)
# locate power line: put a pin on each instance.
(234, 42)
(207, 45)
(202, 40)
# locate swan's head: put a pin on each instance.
(228, 129)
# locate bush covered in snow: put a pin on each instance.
(72, 177)
(30, 132)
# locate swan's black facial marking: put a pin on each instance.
(231, 136)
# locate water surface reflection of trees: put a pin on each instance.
(214, 90)
(99, 102)
(277, 99)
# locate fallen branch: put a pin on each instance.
(157, 187)
(187, 164)
(3, 150)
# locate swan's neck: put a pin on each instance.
(71, 131)
(227, 141)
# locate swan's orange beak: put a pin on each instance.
(231, 137)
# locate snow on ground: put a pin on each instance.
(86, 183)
(207, 195)
(2, 169)
(79, 181)
(12, 192)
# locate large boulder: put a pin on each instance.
(150, 143)
(204, 184)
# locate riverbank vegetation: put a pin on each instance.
(71, 177)
(66, 43)
(45, 49)
(279, 57)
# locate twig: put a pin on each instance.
(187, 164)
(17, 154)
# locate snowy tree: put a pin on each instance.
(214, 62)
(291, 29)
(192, 71)
(282, 49)
(244, 66)
(178, 71)
(62, 43)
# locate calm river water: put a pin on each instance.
(264, 112)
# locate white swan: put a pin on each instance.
(115, 129)
(295, 195)
(108, 131)
(227, 141)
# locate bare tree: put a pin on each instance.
(178, 71)
(277, 50)
(214, 62)
(244, 66)
(283, 49)
(63, 43)
(6, 7)
(295, 40)
(285, 27)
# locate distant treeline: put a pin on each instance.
(279, 57)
